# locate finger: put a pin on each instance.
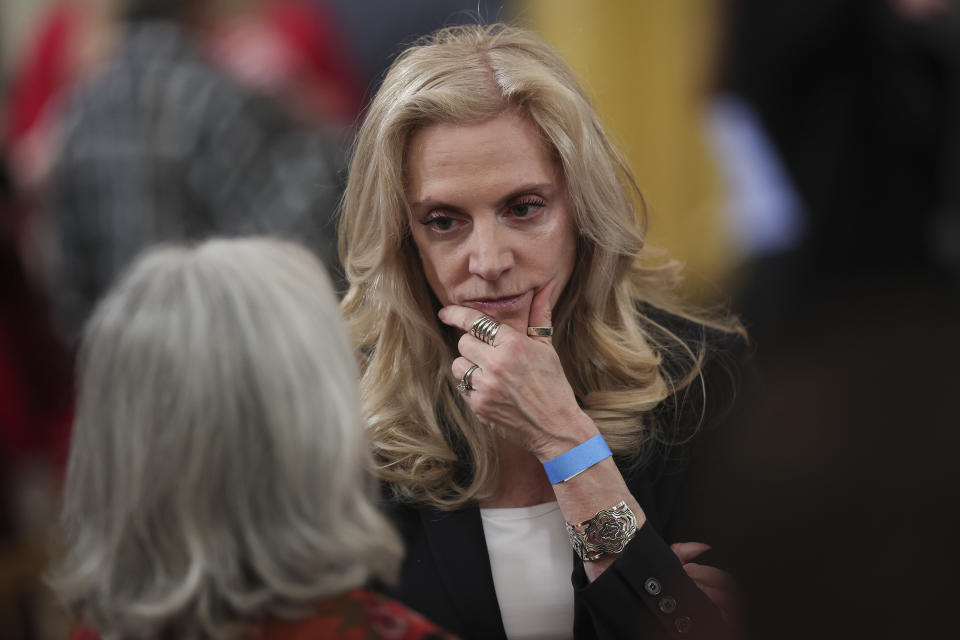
(541, 309)
(463, 318)
(459, 317)
(725, 600)
(719, 586)
(710, 576)
(474, 349)
(460, 366)
(687, 551)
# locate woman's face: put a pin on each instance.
(490, 215)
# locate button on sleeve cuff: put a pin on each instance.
(648, 570)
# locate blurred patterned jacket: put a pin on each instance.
(160, 147)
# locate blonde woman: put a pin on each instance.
(215, 486)
(513, 334)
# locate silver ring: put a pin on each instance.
(540, 332)
(464, 385)
(485, 328)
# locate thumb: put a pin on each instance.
(687, 551)
(541, 308)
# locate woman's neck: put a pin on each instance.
(521, 481)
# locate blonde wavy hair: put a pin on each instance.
(216, 471)
(619, 362)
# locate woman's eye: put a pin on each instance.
(525, 209)
(440, 222)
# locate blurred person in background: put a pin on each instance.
(510, 324)
(861, 104)
(291, 49)
(294, 50)
(161, 146)
(216, 486)
(70, 41)
(378, 30)
(35, 404)
(842, 452)
(34, 369)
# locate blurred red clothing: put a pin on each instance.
(39, 82)
(292, 49)
(355, 615)
(43, 71)
(35, 367)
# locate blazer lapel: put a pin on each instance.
(460, 552)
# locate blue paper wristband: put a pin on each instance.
(577, 460)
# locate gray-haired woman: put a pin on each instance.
(215, 485)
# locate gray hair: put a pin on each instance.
(216, 471)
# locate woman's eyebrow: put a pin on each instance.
(539, 187)
(429, 203)
(434, 203)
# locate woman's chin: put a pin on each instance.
(516, 318)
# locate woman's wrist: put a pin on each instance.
(572, 463)
(577, 429)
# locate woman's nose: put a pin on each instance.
(491, 254)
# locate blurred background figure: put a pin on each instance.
(289, 48)
(837, 126)
(161, 146)
(232, 359)
(860, 105)
(377, 30)
(294, 50)
(70, 41)
(35, 400)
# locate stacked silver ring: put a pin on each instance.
(485, 328)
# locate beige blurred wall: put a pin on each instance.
(648, 66)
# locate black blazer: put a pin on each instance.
(645, 593)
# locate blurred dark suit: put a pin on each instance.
(162, 147)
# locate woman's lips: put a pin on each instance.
(496, 305)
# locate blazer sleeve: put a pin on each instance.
(646, 592)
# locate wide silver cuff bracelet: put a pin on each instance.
(606, 533)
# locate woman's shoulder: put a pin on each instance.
(714, 350)
(360, 614)
(717, 346)
(720, 337)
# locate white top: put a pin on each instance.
(531, 560)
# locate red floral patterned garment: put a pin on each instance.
(358, 615)
(355, 615)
